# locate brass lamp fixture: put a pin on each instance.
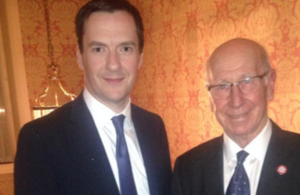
(54, 94)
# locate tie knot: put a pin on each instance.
(118, 123)
(241, 156)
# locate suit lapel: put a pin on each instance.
(144, 134)
(89, 148)
(277, 154)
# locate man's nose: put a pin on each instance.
(113, 61)
(236, 96)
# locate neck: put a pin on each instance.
(245, 139)
(117, 107)
(242, 141)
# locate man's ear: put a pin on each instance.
(141, 60)
(271, 85)
(79, 58)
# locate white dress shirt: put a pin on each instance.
(102, 116)
(253, 164)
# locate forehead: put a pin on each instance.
(112, 24)
(235, 62)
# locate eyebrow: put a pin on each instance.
(97, 43)
(127, 43)
(242, 77)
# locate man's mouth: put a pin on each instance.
(114, 80)
(238, 116)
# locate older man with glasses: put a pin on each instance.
(253, 156)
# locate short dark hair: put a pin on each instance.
(108, 6)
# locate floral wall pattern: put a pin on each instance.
(180, 35)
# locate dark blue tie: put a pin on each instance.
(127, 184)
(239, 183)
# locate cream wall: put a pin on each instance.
(15, 110)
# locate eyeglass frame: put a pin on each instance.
(209, 87)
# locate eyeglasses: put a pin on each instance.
(247, 85)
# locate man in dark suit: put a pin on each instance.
(100, 144)
(253, 156)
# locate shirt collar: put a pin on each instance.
(101, 114)
(257, 148)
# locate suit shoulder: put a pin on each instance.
(290, 137)
(284, 135)
(203, 151)
(291, 134)
(142, 112)
(50, 121)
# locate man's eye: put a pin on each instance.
(97, 49)
(247, 80)
(126, 49)
(221, 87)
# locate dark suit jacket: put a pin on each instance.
(62, 154)
(200, 170)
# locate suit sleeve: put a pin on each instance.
(167, 158)
(176, 186)
(161, 170)
(33, 174)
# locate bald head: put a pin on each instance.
(238, 47)
(241, 83)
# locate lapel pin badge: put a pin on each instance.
(281, 169)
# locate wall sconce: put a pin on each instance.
(54, 94)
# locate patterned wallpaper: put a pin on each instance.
(180, 35)
(6, 184)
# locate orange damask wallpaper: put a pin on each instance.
(180, 35)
